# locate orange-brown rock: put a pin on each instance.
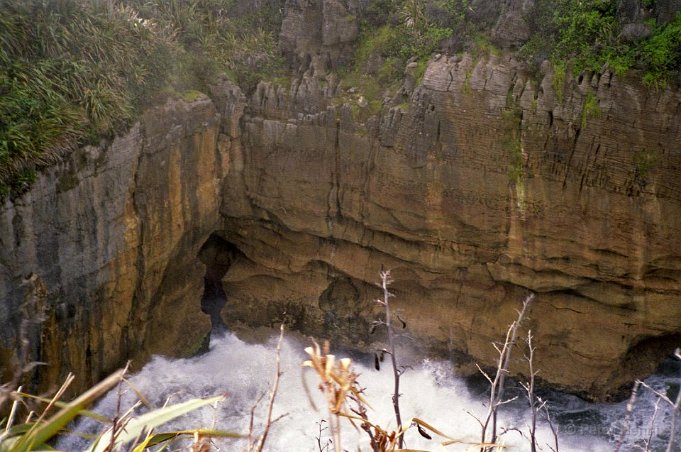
(487, 186)
(479, 186)
(113, 233)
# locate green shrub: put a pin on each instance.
(511, 139)
(81, 70)
(661, 53)
(482, 46)
(587, 36)
(590, 108)
(559, 80)
(644, 162)
(393, 33)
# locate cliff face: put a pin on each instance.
(112, 235)
(486, 185)
(475, 187)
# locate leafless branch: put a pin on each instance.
(651, 426)
(535, 405)
(385, 282)
(628, 414)
(273, 394)
(675, 412)
(497, 385)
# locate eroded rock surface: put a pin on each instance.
(488, 186)
(113, 234)
(476, 186)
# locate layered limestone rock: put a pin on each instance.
(479, 185)
(112, 235)
(488, 185)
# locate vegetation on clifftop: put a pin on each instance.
(585, 35)
(75, 71)
(582, 36)
(597, 34)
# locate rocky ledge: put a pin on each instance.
(484, 185)
(479, 185)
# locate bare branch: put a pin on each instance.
(503, 363)
(273, 394)
(651, 427)
(397, 372)
(484, 374)
(675, 412)
(659, 394)
(627, 416)
(553, 427)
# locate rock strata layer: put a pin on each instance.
(488, 185)
(475, 187)
(112, 236)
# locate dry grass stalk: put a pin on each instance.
(496, 398)
(337, 381)
(201, 443)
(260, 444)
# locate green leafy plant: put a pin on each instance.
(78, 71)
(587, 36)
(559, 80)
(661, 54)
(644, 162)
(590, 108)
(399, 32)
(127, 430)
(511, 140)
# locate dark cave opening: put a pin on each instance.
(217, 254)
(652, 355)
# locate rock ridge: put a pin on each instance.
(486, 184)
(112, 234)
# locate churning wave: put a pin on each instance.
(431, 391)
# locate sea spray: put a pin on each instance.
(430, 391)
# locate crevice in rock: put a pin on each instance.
(572, 154)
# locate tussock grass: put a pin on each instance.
(77, 71)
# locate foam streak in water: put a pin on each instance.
(430, 392)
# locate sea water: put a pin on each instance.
(430, 391)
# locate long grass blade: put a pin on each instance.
(158, 438)
(149, 421)
(51, 427)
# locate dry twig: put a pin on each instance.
(496, 398)
(260, 443)
(397, 372)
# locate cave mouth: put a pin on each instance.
(218, 255)
(652, 355)
(652, 351)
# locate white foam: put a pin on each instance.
(245, 371)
